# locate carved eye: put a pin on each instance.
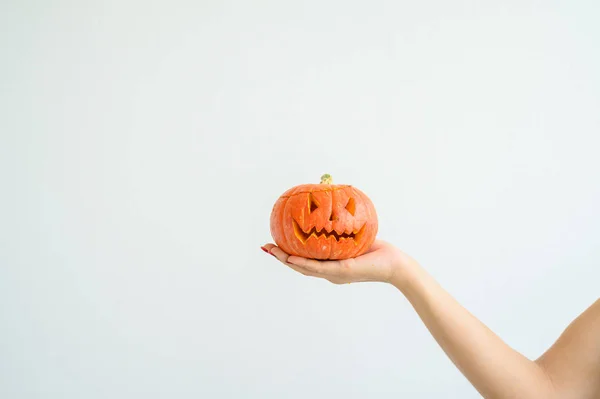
(351, 206)
(312, 204)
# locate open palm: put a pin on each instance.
(379, 263)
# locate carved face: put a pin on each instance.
(324, 221)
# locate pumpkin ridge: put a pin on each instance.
(285, 239)
(371, 215)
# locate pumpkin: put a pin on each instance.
(324, 221)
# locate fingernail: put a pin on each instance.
(265, 249)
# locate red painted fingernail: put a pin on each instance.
(265, 249)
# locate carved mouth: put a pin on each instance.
(303, 235)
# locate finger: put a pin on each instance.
(276, 252)
(279, 254)
(268, 246)
(282, 256)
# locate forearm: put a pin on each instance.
(492, 367)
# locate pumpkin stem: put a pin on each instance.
(326, 179)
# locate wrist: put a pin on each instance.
(406, 273)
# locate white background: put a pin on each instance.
(144, 143)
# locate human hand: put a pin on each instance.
(383, 262)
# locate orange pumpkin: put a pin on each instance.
(324, 221)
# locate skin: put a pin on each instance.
(569, 369)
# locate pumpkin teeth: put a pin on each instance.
(305, 235)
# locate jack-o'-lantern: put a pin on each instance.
(324, 221)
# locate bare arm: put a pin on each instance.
(573, 362)
(569, 369)
(492, 367)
